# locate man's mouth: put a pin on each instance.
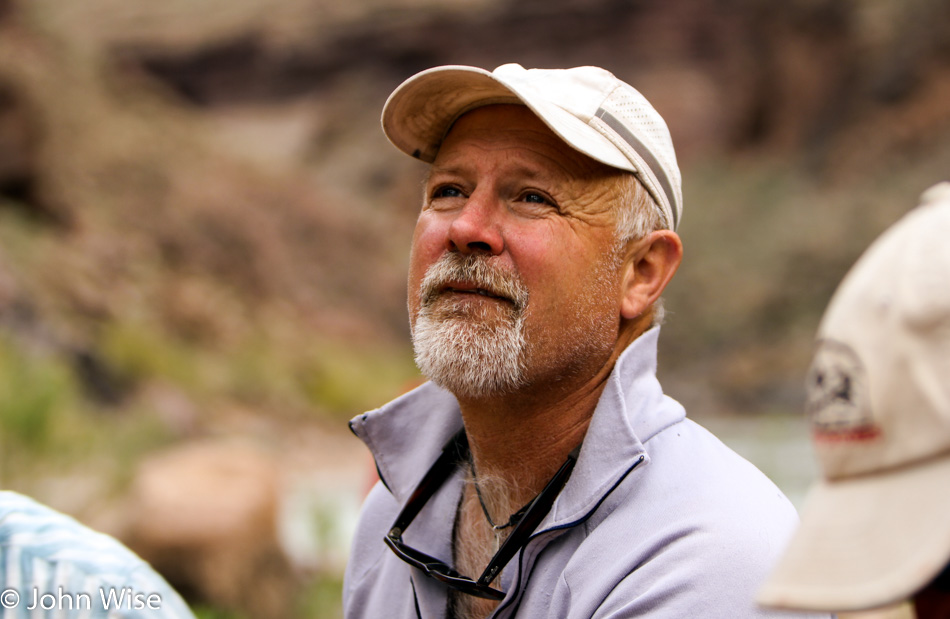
(458, 275)
(479, 291)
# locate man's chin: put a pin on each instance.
(471, 358)
(467, 385)
(479, 390)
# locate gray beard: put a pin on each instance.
(471, 353)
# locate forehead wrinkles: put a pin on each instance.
(513, 132)
(532, 159)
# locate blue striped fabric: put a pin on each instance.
(52, 566)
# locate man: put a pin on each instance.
(876, 530)
(542, 472)
(52, 566)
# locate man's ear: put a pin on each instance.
(649, 265)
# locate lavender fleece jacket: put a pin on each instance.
(689, 533)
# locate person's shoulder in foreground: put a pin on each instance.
(875, 535)
(51, 565)
(543, 472)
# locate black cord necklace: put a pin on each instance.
(512, 520)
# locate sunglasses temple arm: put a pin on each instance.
(533, 516)
(436, 475)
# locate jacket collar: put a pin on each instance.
(407, 434)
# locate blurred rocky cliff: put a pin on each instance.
(202, 226)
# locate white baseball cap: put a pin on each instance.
(876, 528)
(589, 108)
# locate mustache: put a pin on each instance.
(475, 270)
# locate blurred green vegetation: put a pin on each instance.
(36, 396)
(45, 409)
(321, 375)
(319, 599)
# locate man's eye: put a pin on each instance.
(447, 192)
(536, 197)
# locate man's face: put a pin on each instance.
(517, 238)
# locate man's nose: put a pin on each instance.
(477, 226)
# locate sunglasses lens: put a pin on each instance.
(440, 571)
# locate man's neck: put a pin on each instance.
(524, 443)
(523, 438)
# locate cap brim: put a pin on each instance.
(420, 112)
(866, 542)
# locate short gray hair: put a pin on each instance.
(638, 214)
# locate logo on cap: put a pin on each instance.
(838, 398)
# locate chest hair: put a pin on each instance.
(475, 543)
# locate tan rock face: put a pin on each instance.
(205, 516)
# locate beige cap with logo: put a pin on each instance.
(877, 527)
